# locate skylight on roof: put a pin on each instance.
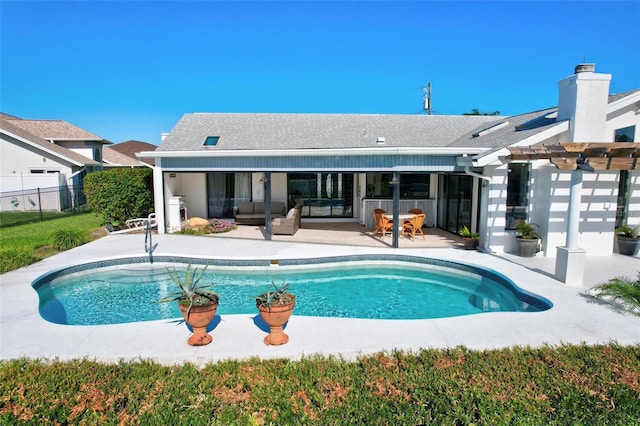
(211, 140)
(491, 128)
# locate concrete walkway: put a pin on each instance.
(573, 319)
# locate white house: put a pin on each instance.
(548, 167)
(43, 155)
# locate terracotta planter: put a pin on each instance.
(527, 247)
(470, 243)
(276, 317)
(628, 245)
(199, 317)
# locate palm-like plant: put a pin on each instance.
(622, 289)
(191, 292)
(278, 296)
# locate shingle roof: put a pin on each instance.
(130, 148)
(55, 130)
(8, 125)
(517, 128)
(114, 158)
(314, 131)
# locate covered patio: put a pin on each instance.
(348, 233)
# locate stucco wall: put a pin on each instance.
(20, 158)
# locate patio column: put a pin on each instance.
(570, 259)
(267, 206)
(396, 209)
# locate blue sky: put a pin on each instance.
(130, 69)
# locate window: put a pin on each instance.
(626, 134)
(517, 194)
(412, 185)
(321, 194)
(211, 141)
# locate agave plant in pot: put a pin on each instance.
(197, 303)
(470, 239)
(275, 307)
(528, 239)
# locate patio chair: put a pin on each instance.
(413, 226)
(376, 227)
(286, 225)
(415, 211)
(383, 224)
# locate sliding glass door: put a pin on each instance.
(321, 194)
(225, 191)
(455, 194)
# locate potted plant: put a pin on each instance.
(275, 307)
(197, 303)
(470, 239)
(628, 240)
(527, 238)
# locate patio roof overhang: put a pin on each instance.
(582, 155)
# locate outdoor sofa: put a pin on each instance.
(252, 213)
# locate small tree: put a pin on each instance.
(120, 194)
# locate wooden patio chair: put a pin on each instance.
(413, 226)
(415, 211)
(383, 224)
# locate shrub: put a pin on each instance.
(215, 226)
(16, 257)
(120, 194)
(65, 239)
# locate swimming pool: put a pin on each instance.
(366, 286)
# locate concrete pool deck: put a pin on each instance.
(574, 318)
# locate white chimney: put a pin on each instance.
(583, 100)
(163, 136)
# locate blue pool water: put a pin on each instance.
(374, 287)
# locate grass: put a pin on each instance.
(13, 218)
(552, 386)
(21, 245)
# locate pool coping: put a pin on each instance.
(574, 318)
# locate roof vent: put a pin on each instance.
(585, 68)
(381, 140)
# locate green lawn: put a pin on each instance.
(22, 245)
(568, 385)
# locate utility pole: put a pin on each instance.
(426, 98)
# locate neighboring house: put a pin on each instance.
(46, 155)
(477, 171)
(124, 154)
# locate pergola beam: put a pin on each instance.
(566, 156)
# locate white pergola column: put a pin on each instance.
(570, 259)
(158, 196)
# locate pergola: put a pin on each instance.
(578, 157)
(588, 156)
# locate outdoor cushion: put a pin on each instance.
(258, 208)
(291, 213)
(245, 208)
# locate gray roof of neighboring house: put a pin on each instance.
(314, 131)
(8, 125)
